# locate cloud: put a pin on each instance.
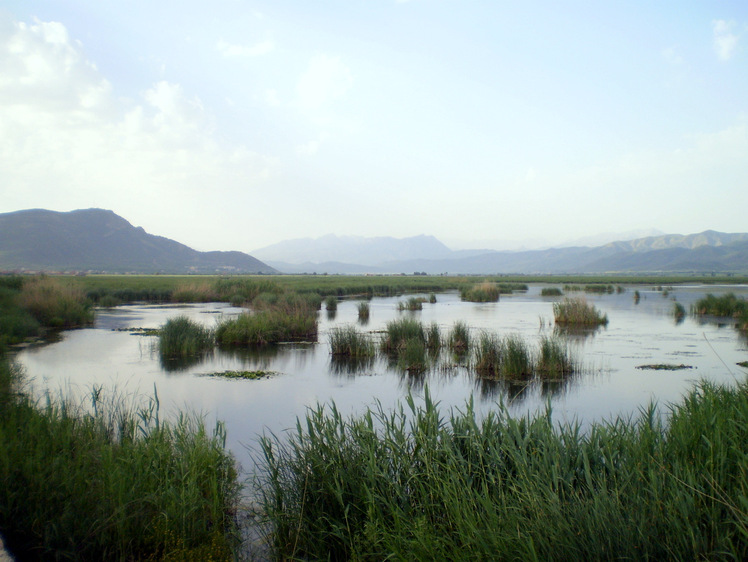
(66, 140)
(229, 50)
(725, 42)
(670, 55)
(326, 79)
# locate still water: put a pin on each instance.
(109, 355)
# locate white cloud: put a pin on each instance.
(326, 79)
(725, 41)
(229, 50)
(671, 56)
(67, 142)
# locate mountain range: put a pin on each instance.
(705, 252)
(101, 241)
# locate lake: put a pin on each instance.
(110, 355)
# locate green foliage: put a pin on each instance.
(267, 327)
(111, 481)
(577, 312)
(551, 292)
(54, 304)
(363, 311)
(483, 292)
(349, 342)
(726, 305)
(679, 311)
(416, 485)
(433, 337)
(458, 340)
(398, 332)
(412, 304)
(181, 337)
(331, 303)
(555, 359)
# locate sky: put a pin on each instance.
(236, 124)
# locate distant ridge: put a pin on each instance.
(101, 241)
(706, 252)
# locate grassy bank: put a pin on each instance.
(111, 482)
(414, 484)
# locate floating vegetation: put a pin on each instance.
(743, 364)
(664, 367)
(245, 375)
(577, 312)
(551, 292)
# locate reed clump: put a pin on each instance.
(398, 332)
(487, 362)
(331, 303)
(347, 341)
(728, 305)
(458, 339)
(599, 288)
(482, 292)
(433, 337)
(578, 312)
(555, 359)
(363, 311)
(111, 481)
(418, 483)
(679, 311)
(412, 304)
(181, 337)
(551, 292)
(54, 304)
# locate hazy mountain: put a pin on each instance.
(609, 237)
(670, 253)
(99, 240)
(353, 249)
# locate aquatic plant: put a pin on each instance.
(433, 337)
(398, 332)
(348, 341)
(726, 305)
(54, 304)
(422, 483)
(331, 303)
(487, 361)
(268, 327)
(516, 361)
(550, 292)
(111, 480)
(637, 296)
(482, 292)
(458, 339)
(577, 312)
(181, 337)
(432, 298)
(363, 311)
(598, 288)
(555, 359)
(679, 311)
(412, 303)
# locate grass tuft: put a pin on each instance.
(577, 312)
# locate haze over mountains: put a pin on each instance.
(101, 241)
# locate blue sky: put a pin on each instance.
(236, 124)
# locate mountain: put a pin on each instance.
(99, 240)
(706, 252)
(353, 249)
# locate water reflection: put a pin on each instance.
(178, 364)
(343, 366)
(576, 333)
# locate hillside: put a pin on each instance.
(99, 240)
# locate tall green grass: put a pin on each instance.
(551, 292)
(555, 359)
(111, 481)
(267, 327)
(577, 312)
(417, 484)
(349, 342)
(726, 305)
(398, 332)
(458, 339)
(54, 304)
(412, 304)
(482, 292)
(364, 311)
(181, 337)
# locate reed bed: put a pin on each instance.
(398, 332)
(412, 304)
(347, 341)
(599, 288)
(551, 292)
(54, 304)
(555, 359)
(458, 339)
(577, 312)
(482, 292)
(268, 327)
(181, 337)
(331, 303)
(433, 337)
(415, 483)
(728, 305)
(364, 311)
(487, 361)
(111, 481)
